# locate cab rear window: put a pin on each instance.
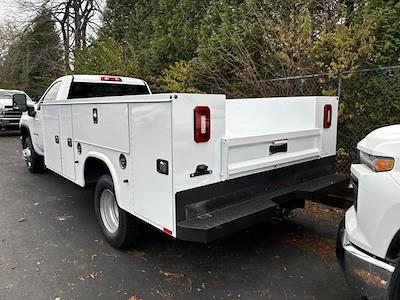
(90, 90)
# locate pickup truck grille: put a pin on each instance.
(12, 113)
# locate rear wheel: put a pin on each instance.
(119, 228)
(394, 285)
(34, 161)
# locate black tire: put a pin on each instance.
(34, 161)
(394, 284)
(129, 228)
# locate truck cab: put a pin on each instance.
(9, 114)
(196, 166)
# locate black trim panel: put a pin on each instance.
(286, 188)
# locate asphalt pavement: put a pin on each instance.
(51, 248)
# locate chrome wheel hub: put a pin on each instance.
(109, 211)
(26, 153)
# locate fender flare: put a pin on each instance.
(108, 163)
(25, 127)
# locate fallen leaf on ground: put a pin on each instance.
(170, 274)
(63, 218)
(134, 298)
(137, 253)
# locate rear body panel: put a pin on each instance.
(187, 153)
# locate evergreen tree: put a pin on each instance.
(34, 60)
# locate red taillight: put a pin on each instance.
(327, 115)
(202, 129)
(110, 78)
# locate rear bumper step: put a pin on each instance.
(222, 221)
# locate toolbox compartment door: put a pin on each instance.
(51, 137)
(66, 142)
(152, 168)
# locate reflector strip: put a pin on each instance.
(167, 231)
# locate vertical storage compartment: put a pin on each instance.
(152, 167)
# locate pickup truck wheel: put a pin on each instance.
(34, 161)
(394, 285)
(119, 228)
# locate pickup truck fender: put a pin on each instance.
(103, 158)
(25, 132)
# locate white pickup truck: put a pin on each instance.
(196, 166)
(9, 113)
(368, 243)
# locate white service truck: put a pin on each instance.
(368, 243)
(196, 166)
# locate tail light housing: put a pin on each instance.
(202, 124)
(327, 115)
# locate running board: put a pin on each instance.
(224, 221)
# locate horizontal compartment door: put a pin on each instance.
(249, 155)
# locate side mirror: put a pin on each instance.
(19, 102)
(31, 111)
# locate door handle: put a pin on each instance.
(57, 138)
(279, 146)
(69, 142)
(95, 116)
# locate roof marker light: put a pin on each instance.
(110, 78)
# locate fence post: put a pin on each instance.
(339, 88)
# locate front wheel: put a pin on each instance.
(394, 285)
(119, 228)
(34, 161)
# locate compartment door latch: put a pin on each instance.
(278, 146)
(201, 170)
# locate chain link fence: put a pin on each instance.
(369, 99)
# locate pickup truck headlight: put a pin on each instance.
(1, 110)
(376, 163)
